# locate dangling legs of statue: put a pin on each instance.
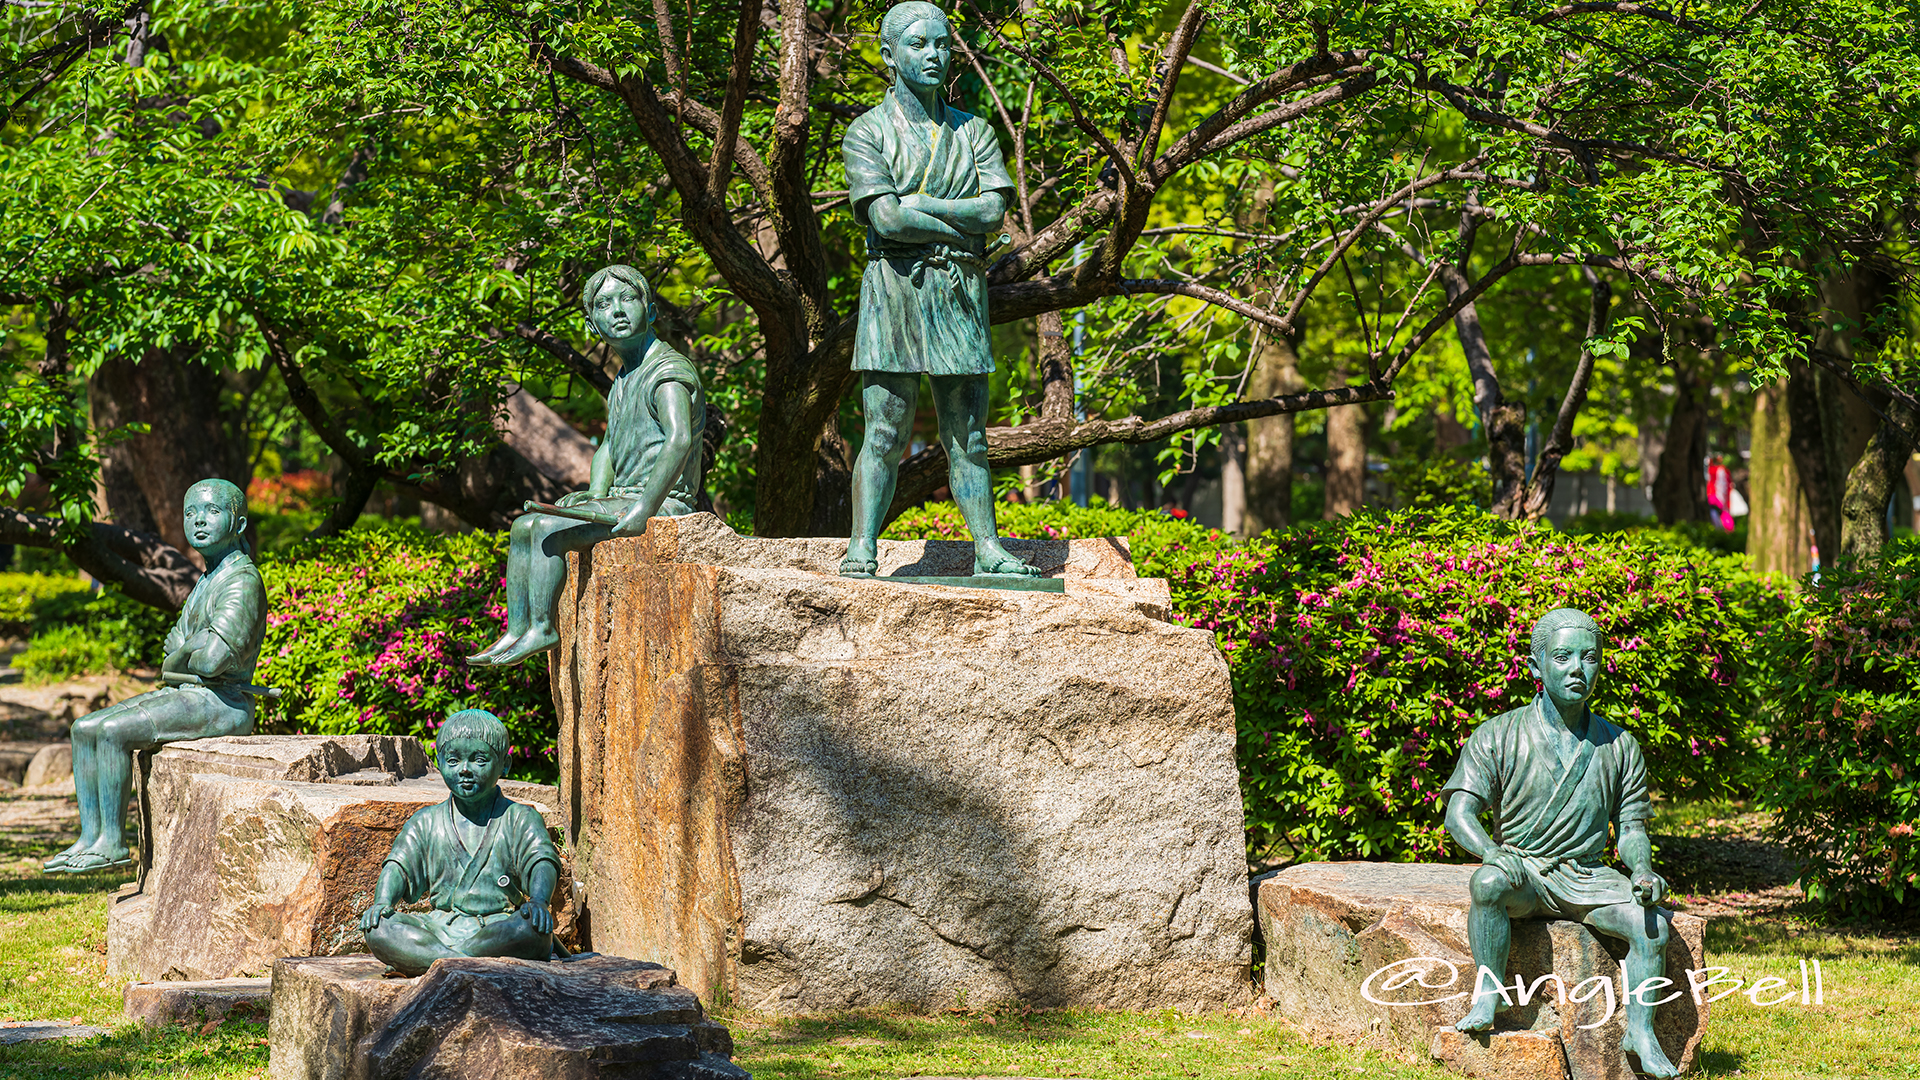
(1490, 936)
(1645, 930)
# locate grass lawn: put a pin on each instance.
(54, 967)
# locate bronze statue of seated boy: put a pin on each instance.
(207, 670)
(483, 861)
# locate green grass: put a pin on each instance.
(54, 967)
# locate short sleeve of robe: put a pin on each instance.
(237, 611)
(531, 844)
(1635, 804)
(410, 849)
(1476, 772)
(868, 174)
(987, 159)
(674, 369)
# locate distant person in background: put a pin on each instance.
(210, 656)
(1720, 493)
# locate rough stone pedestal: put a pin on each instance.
(1329, 926)
(816, 793)
(267, 846)
(157, 1004)
(336, 1018)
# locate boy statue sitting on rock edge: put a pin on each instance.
(484, 861)
(1554, 776)
(648, 464)
(208, 668)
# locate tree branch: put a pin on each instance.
(746, 32)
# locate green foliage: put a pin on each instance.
(21, 595)
(1364, 650)
(367, 631)
(1429, 483)
(81, 631)
(1161, 544)
(1846, 733)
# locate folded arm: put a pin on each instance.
(895, 219)
(978, 216)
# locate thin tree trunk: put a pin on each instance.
(1810, 437)
(1870, 484)
(1679, 488)
(1913, 491)
(1269, 451)
(1233, 481)
(1559, 444)
(1777, 525)
(1346, 459)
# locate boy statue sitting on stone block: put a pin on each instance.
(207, 671)
(648, 464)
(484, 861)
(1555, 776)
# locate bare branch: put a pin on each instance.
(746, 32)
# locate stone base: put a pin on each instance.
(269, 846)
(157, 1004)
(338, 1018)
(813, 792)
(1329, 926)
(1501, 1055)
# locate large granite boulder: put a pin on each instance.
(267, 846)
(337, 1018)
(811, 792)
(1329, 927)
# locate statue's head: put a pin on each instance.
(214, 515)
(1566, 656)
(472, 751)
(916, 42)
(618, 303)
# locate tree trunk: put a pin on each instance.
(1346, 459)
(1777, 520)
(1233, 481)
(193, 434)
(1679, 488)
(1507, 457)
(1269, 450)
(1813, 422)
(1546, 467)
(1870, 484)
(1913, 491)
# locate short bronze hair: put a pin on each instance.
(477, 725)
(902, 15)
(226, 491)
(617, 272)
(1559, 619)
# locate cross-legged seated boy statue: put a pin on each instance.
(1554, 776)
(484, 861)
(648, 464)
(929, 183)
(209, 660)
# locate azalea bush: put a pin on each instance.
(1365, 650)
(1846, 733)
(1161, 543)
(368, 631)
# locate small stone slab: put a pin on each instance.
(985, 581)
(1501, 1055)
(20, 1031)
(1329, 926)
(341, 1018)
(157, 1004)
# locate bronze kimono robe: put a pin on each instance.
(1555, 815)
(923, 307)
(469, 889)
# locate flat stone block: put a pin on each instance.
(1501, 1055)
(20, 1031)
(815, 792)
(158, 1004)
(1329, 926)
(253, 863)
(337, 1018)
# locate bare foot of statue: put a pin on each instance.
(486, 656)
(1478, 1018)
(82, 861)
(1639, 1041)
(861, 560)
(532, 642)
(59, 862)
(992, 560)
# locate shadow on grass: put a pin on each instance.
(1806, 935)
(1721, 1063)
(232, 1049)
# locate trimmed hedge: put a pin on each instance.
(1846, 738)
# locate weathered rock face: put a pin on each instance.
(157, 1004)
(597, 1016)
(1329, 926)
(270, 846)
(816, 793)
